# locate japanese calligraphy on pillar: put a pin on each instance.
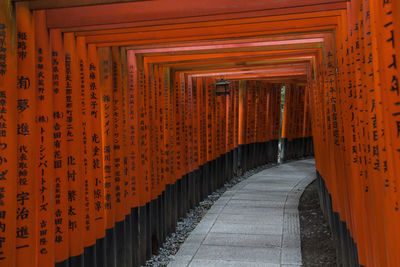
(217, 123)
(127, 194)
(144, 131)
(8, 140)
(189, 126)
(117, 113)
(60, 153)
(26, 108)
(389, 73)
(159, 127)
(132, 126)
(151, 88)
(142, 179)
(196, 124)
(169, 127)
(236, 112)
(177, 126)
(184, 129)
(202, 122)
(105, 63)
(86, 132)
(74, 147)
(158, 123)
(96, 141)
(209, 109)
(154, 141)
(45, 152)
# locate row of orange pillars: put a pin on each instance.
(110, 132)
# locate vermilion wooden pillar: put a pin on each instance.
(61, 189)
(96, 150)
(8, 139)
(26, 234)
(45, 151)
(106, 96)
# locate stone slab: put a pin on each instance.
(265, 255)
(243, 240)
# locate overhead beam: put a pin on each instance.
(52, 4)
(140, 48)
(215, 23)
(162, 12)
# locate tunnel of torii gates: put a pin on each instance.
(110, 127)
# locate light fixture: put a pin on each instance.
(222, 87)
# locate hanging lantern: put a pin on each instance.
(222, 87)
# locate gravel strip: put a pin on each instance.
(193, 217)
(318, 247)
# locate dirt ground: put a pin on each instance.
(318, 247)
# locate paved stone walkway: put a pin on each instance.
(255, 223)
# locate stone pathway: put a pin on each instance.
(255, 223)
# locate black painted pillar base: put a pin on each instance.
(347, 247)
(135, 236)
(101, 252)
(77, 261)
(62, 263)
(90, 256)
(120, 236)
(149, 220)
(142, 214)
(111, 247)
